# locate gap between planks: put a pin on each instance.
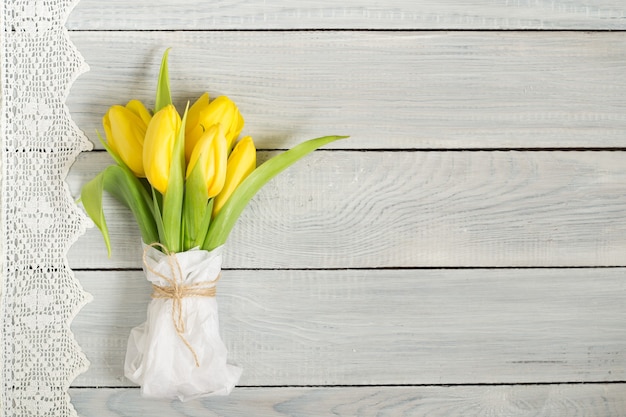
(468, 385)
(312, 29)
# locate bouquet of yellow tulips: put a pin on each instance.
(186, 180)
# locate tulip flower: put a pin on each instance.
(210, 155)
(241, 162)
(125, 129)
(222, 110)
(158, 147)
(192, 204)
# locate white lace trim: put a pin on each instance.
(40, 221)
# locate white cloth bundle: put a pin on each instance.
(178, 351)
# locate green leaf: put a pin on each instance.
(225, 219)
(204, 226)
(91, 197)
(120, 162)
(157, 203)
(173, 197)
(194, 206)
(126, 188)
(163, 95)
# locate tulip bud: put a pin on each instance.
(125, 131)
(241, 162)
(222, 110)
(158, 146)
(210, 154)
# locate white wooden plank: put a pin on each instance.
(385, 89)
(589, 400)
(361, 14)
(356, 327)
(341, 209)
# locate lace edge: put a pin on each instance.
(2, 222)
(82, 143)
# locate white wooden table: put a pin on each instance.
(462, 254)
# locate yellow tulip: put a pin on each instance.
(125, 131)
(241, 162)
(158, 146)
(210, 154)
(222, 110)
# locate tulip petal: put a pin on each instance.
(193, 117)
(173, 197)
(159, 145)
(140, 110)
(125, 135)
(106, 123)
(241, 162)
(224, 221)
(220, 159)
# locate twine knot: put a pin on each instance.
(176, 291)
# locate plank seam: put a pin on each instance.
(483, 384)
(311, 29)
(383, 268)
(409, 150)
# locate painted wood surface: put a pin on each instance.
(400, 90)
(404, 255)
(578, 400)
(411, 209)
(353, 14)
(387, 327)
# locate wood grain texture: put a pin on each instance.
(361, 14)
(403, 90)
(606, 400)
(364, 327)
(325, 285)
(341, 209)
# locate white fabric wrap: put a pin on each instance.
(157, 358)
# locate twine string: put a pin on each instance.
(176, 291)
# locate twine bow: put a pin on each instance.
(176, 291)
